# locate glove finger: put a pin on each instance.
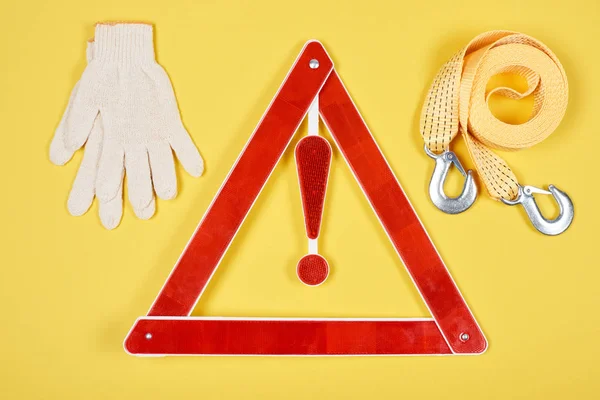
(81, 116)
(186, 151)
(59, 154)
(163, 170)
(110, 171)
(179, 139)
(111, 212)
(83, 189)
(139, 182)
(146, 212)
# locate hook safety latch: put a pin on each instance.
(450, 205)
(548, 227)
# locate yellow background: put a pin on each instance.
(70, 290)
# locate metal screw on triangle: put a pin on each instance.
(313, 64)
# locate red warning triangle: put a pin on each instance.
(168, 329)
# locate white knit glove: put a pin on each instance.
(139, 116)
(84, 187)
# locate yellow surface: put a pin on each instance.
(70, 290)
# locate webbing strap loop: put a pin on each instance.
(457, 101)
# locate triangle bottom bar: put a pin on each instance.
(154, 336)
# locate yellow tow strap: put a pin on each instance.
(458, 101)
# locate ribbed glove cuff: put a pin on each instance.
(125, 44)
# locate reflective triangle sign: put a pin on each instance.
(168, 329)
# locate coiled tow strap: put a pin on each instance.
(458, 102)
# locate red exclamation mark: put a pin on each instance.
(313, 159)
